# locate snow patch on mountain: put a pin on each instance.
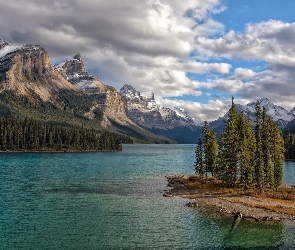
(276, 112)
(143, 109)
(60, 66)
(5, 49)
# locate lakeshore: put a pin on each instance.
(235, 202)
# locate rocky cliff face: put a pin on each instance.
(28, 68)
(143, 110)
(109, 100)
(27, 71)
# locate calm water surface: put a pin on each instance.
(114, 200)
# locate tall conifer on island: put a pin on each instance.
(246, 151)
(229, 149)
(266, 143)
(199, 164)
(244, 156)
(258, 175)
(277, 154)
(210, 150)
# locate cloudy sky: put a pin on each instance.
(194, 54)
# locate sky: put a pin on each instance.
(193, 54)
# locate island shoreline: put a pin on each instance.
(239, 206)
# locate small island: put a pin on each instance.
(237, 202)
(242, 173)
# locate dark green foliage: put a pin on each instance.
(244, 156)
(210, 150)
(229, 149)
(289, 146)
(78, 103)
(47, 112)
(199, 164)
(18, 134)
(247, 147)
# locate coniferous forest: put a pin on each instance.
(289, 146)
(243, 156)
(17, 134)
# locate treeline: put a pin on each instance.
(243, 155)
(289, 146)
(18, 134)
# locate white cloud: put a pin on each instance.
(209, 111)
(204, 68)
(149, 44)
(271, 41)
(139, 42)
(241, 73)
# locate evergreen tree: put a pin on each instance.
(229, 149)
(267, 169)
(258, 175)
(277, 154)
(255, 157)
(210, 150)
(29, 134)
(246, 151)
(199, 164)
(289, 146)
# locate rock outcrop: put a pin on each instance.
(28, 68)
(27, 72)
(111, 103)
(142, 109)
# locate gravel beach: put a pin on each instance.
(242, 206)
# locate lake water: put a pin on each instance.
(114, 200)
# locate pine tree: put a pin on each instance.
(289, 145)
(229, 150)
(199, 164)
(267, 169)
(246, 151)
(210, 150)
(277, 154)
(258, 175)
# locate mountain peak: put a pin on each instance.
(73, 68)
(127, 87)
(130, 92)
(78, 57)
(264, 102)
(3, 43)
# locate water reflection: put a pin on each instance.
(247, 233)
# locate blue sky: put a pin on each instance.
(193, 54)
(241, 12)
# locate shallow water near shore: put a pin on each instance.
(114, 200)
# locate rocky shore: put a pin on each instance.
(238, 205)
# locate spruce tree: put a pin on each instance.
(258, 174)
(210, 150)
(246, 151)
(277, 154)
(267, 169)
(289, 145)
(199, 164)
(229, 152)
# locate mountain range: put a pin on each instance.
(67, 94)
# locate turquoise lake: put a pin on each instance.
(114, 200)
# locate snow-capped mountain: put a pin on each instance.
(142, 109)
(27, 68)
(281, 116)
(109, 100)
(276, 112)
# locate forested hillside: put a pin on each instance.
(17, 134)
